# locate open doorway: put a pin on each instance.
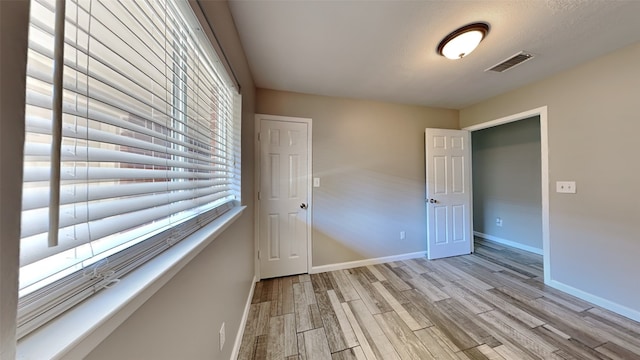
(507, 199)
(541, 114)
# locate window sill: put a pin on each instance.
(74, 334)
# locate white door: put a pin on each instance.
(283, 197)
(448, 201)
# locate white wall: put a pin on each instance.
(593, 127)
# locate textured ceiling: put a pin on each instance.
(386, 50)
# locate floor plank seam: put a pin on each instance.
(489, 305)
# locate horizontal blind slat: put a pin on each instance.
(34, 198)
(36, 221)
(101, 115)
(35, 173)
(43, 126)
(114, 157)
(72, 236)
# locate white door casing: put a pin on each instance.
(544, 160)
(448, 193)
(284, 196)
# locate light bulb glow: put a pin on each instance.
(462, 45)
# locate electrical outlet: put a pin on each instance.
(566, 187)
(222, 336)
(403, 235)
(499, 222)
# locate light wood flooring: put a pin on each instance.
(488, 305)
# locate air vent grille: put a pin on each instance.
(511, 62)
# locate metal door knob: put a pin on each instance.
(303, 206)
(432, 201)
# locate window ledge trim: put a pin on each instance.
(74, 334)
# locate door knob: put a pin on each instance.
(432, 201)
(303, 206)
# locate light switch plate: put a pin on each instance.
(566, 187)
(316, 182)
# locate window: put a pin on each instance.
(150, 146)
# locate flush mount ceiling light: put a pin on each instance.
(463, 41)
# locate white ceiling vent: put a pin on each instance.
(511, 62)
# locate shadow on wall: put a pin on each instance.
(359, 214)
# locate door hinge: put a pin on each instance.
(259, 136)
(258, 255)
(259, 195)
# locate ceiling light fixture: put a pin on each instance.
(463, 41)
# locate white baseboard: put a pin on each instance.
(604, 303)
(243, 322)
(509, 243)
(373, 261)
(607, 304)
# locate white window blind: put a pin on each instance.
(150, 145)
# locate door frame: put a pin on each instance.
(544, 160)
(258, 179)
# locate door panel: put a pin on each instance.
(284, 192)
(440, 224)
(273, 231)
(448, 165)
(439, 175)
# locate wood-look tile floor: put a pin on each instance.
(488, 305)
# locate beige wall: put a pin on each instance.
(369, 157)
(182, 320)
(593, 135)
(507, 182)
